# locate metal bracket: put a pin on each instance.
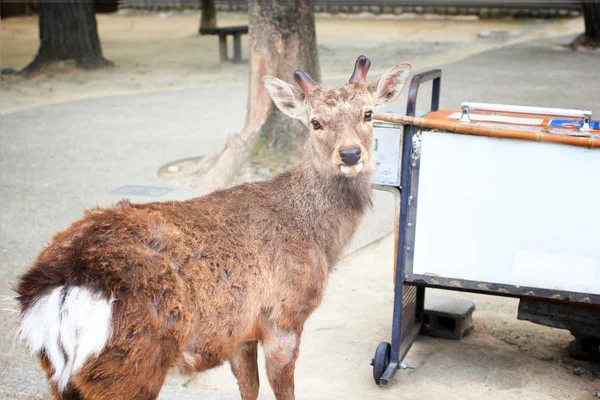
(464, 117)
(585, 120)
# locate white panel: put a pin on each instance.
(509, 211)
(387, 155)
(535, 263)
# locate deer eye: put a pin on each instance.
(315, 124)
(368, 115)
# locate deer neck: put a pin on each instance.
(336, 192)
(331, 206)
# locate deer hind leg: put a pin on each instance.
(245, 368)
(107, 378)
(135, 362)
(69, 393)
(281, 351)
(119, 375)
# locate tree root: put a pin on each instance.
(95, 63)
(35, 65)
(583, 42)
(39, 62)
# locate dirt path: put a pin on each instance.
(163, 52)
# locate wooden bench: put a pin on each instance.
(236, 32)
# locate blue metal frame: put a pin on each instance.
(401, 345)
(406, 203)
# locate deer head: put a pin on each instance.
(340, 120)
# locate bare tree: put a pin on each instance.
(208, 19)
(68, 31)
(591, 18)
(282, 40)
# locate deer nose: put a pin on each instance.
(350, 155)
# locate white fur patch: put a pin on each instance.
(282, 347)
(69, 326)
(352, 169)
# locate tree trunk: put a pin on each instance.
(591, 18)
(68, 31)
(282, 40)
(208, 19)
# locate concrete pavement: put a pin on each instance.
(58, 159)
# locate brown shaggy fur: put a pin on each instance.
(200, 282)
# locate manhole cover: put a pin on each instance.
(187, 172)
(136, 190)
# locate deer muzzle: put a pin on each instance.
(351, 160)
(350, 155)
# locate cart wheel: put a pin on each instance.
(381, 360)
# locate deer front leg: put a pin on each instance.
(281, 351)
(245, 368)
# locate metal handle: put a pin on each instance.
(585, 115)
(434, 75)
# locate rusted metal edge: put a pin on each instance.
(456, 126)
(500, 289)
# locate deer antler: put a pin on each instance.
(305, 82)
(360, 70)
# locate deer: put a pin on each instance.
(131, 291)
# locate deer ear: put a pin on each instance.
(388, 87)
(288, 100)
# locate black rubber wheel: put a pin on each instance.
(381, 360)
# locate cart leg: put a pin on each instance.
(420, 303)
(401, 343)
(403, 337)
(396, 330)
